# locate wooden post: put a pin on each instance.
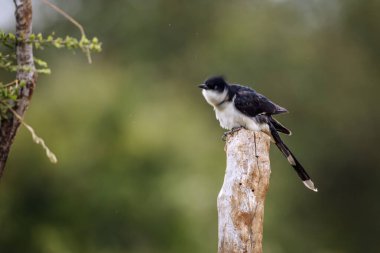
(241, 199)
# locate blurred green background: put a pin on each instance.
(140, 156)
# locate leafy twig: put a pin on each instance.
(76, 23)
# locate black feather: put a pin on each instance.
(279, 127)
(252, 103)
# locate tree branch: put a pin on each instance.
(26, 73)
(241, 199)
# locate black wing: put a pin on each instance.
(252, 103)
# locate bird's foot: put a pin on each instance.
(233, 130)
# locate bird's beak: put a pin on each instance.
(202, 86)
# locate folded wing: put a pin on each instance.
(252, 103)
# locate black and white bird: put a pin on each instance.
(238, 107)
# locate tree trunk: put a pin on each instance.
(26, 73)
(241, 199)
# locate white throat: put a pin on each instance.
(214, 97)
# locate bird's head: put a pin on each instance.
(216, 84)
(215, 90)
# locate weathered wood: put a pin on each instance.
(26, 73)
(241, 199)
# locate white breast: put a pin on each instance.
(229, 117)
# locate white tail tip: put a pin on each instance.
(309, 184)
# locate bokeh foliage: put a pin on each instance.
(141, 160)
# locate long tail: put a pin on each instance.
(291, 158)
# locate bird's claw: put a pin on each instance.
(233, 130)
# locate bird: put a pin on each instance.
(238, 106)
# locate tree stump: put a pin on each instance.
(241, 199)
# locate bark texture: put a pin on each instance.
(26, 72)
(241, 199)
